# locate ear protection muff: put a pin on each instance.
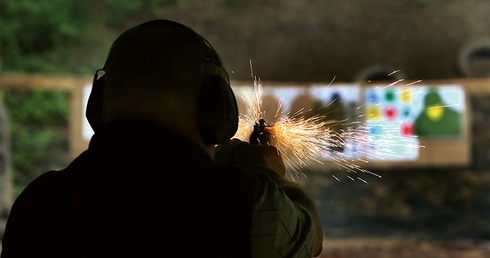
(217, 110)
(217, 107)
(94, 104)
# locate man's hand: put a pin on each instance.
(250, 157)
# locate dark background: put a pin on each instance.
(319, 40)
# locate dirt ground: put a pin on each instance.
(385, 248)
(434, 213)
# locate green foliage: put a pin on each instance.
(37, 107)
(39, 36)
(38, 32)
(39, 120)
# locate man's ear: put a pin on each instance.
(94, 105)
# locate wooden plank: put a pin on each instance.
(10, 80)
(62, 82)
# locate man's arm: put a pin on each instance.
(300, 196)
(267, 160)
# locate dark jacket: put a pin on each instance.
(140, 190)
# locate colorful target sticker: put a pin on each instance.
(390, 113)
(373, 112)
(406, 129)
(371, 97)
(376, 130)
(390, 95)
(406, 111)
(405, 95)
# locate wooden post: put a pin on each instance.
(77, 143)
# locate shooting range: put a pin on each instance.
(404, 85)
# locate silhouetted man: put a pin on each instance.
(147, 185)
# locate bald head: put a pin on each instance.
(158, 55)
(154, 72)
(158, 58)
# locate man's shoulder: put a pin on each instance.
(42, 194)
(46, 185)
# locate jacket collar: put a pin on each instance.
(139, 133)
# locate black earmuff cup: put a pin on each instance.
(217, 110)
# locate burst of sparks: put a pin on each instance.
(301, 140)
(304, 141)
(396, 71)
